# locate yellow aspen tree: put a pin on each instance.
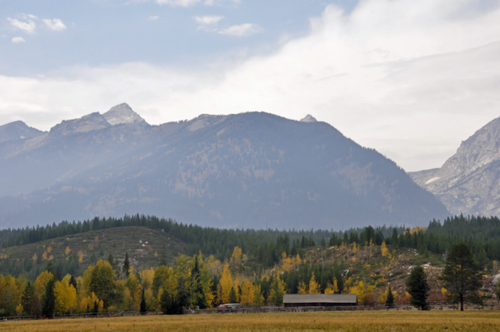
(298, 261)
(220, 298)
(134, 286)
(314, 287)
(67, 251)
(383, 297)
(41, 283)
(286, 262)
(347, 286)
(147, 277)
(247, 293)
(236, 256)
(384, 250)
(226, 283)
(150, 299)
(302, 288)
(80, 256)
(258, 297)
(359, 290)
(87, 303)
(66, 299)
(332, 287)
(9, 295)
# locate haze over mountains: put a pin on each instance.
(469, 182)
(251, 170)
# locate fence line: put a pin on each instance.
(247, 310)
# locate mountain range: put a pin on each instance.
(249, 170)
(469, 181)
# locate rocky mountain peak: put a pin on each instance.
(308, 118)
(468, 181)
(123, 114)
(478, 150)
(90, 122)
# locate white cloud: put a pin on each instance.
(178, 3)
(54, 24)
(153, 18)
(242, 30)
(412, 81)
(18, 40)
(219, 2)
(206, 20)
(26, 24)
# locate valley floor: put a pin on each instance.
(314, 321)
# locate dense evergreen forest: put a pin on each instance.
(211, 241)
(253, 267)
(265, 247)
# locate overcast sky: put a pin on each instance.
(411, 79)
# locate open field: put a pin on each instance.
(317, 321)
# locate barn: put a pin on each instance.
(320, 300)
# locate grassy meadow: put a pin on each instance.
(314, 321)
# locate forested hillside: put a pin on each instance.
(99, 237)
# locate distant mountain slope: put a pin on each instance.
(17, 130)
(469, 182)
(250, 170)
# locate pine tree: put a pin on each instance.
(197, 287)
(390, 298)
(111, 261)
(461, 276)
(167, 303)
(182, 296)
(126, 266)
(49, 299)
(72, 281)
(27, 298)
(419, 288)
(143, 307)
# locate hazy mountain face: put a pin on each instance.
(249, 170)
(17, 130)
(469, 182)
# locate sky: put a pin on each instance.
(411, 79)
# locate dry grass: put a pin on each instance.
(318, 321)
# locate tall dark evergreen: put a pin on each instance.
(49, 299)
(418, 287)
(111, 261)
(197, 287)
(27, 298)
(126, 266)
(168, 304)
(182, 296)
(390, 298)
(461, 276)
(72, 281)
(143, 307)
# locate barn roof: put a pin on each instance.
(320, 298)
